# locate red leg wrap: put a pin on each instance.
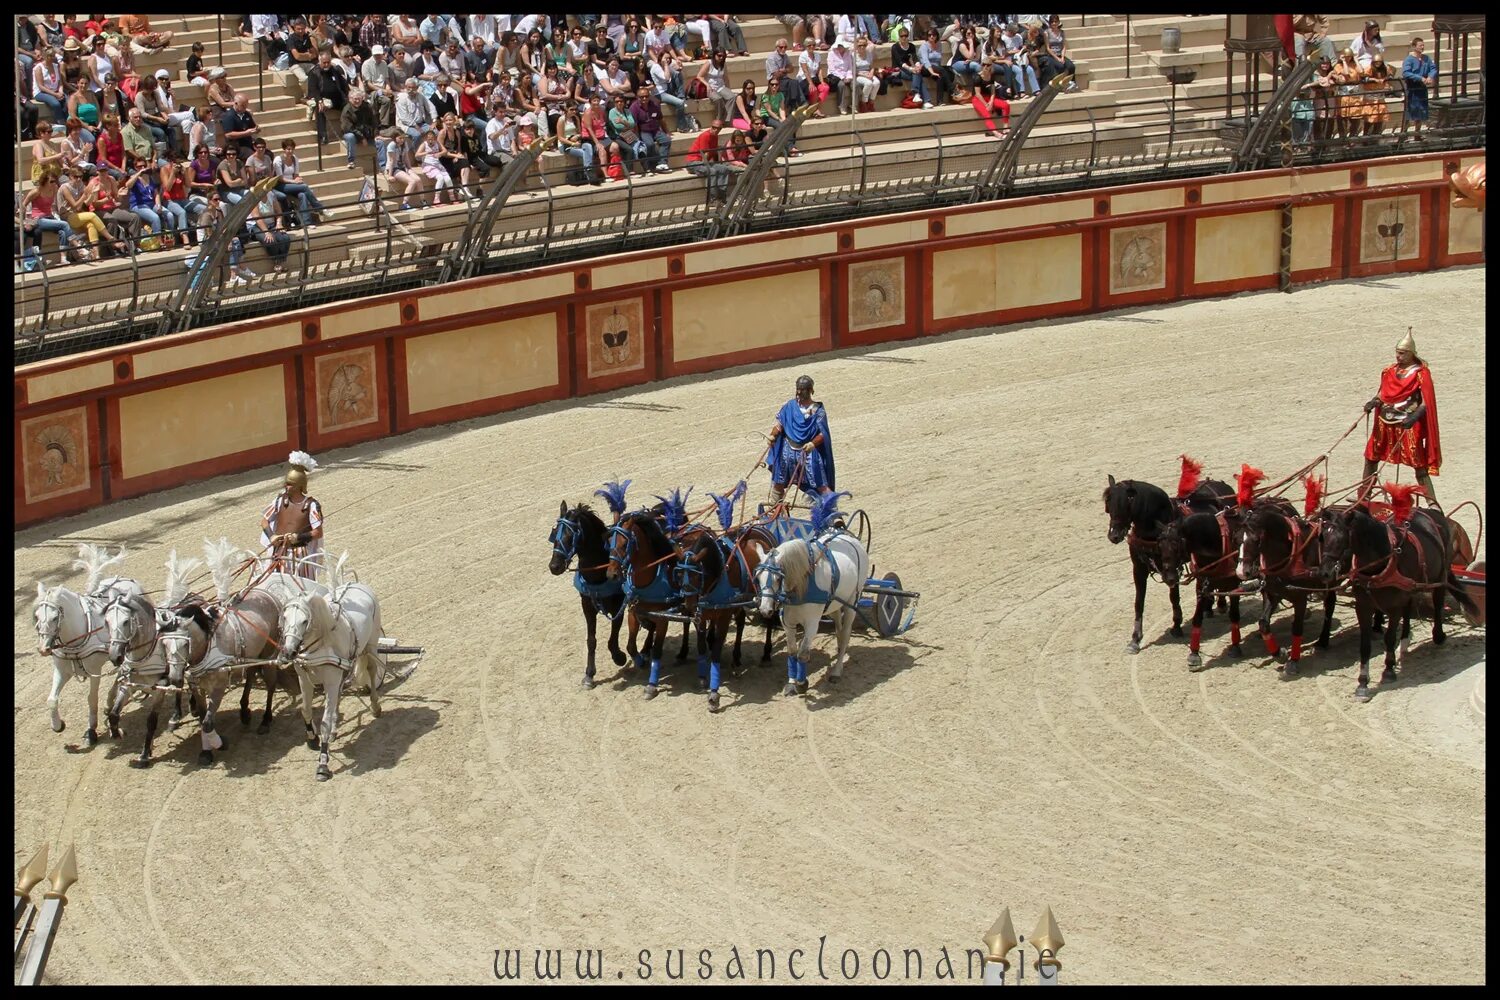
(1271, 646)
(1197, 637)
(1234, 635)
(1296, 653)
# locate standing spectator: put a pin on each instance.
(703, 160)
(1311, 31)
(233, 182)
(399, 170)
(357, 125)
(262, 227)
(289, 170)
(142, 38)
(327, 93)
(1367, 45)
(666, 74)
(414, 113)
(1377, 84)
(1346, 77)
(1419, 73)
(1055, 61)
(237, 126)
(654, 138)
(728, 35)
(377, 81)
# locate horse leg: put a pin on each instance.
(1439, 598)
(807, 632)
(1393, 633)
(1175, 594)
(739, 633)
(1299, 621)
(245, 698)
(175, 719)
(590, 620)
(1329, 600)
(716, 637)
(116, 706)
(374, 675)
(269, 671)
(615, 652)
(59, 680)
(636, 659)
(659, 628)
(1195, 637)
(703, 646)
(1235, 649)
(152, 713)
(1264, 625)
(682, 652)
(91, 735)
(1365, 613)
(790, 630)
(305, 683)
(1140, 572)
(211, 739)
(765, 649)
(845, 625)
(333, 682)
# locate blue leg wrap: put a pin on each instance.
(791, 667)
(640, 660)
(713, 676)
(801, 669)
(655, 671)
(702, 667)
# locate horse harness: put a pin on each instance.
(1390, 575)
(1222, 517)
(1294, 565)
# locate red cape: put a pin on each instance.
(1395, 388)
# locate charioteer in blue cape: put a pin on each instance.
(801, 433)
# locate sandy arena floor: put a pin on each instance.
(1221, 826)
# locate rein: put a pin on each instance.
(61, 648)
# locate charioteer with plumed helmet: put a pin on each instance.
(292, 525)
(1405, 429)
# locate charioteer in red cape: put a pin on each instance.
(1405, 429)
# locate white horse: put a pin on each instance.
(806, 579)
(70, 629)
(329, 638)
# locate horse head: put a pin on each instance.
(770, 585)
(46, 615)
(564, 540)
(121, 625)
(635, 534)
(296, 621)
(184, 632)
(700, 562)
(1172, 552)
(1119, 502)
(1335, 532)
(1250, 563)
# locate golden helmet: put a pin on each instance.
(1408, 344)
(299, 464)
(1347, 54)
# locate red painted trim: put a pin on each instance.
(91, 496)
(583, 385)
(321, 441)
(903, 329)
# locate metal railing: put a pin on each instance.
(917, 162)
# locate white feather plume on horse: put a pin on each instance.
(224, 559)
(336, 578)
(179, 574)
(94, 560)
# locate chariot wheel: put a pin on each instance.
(889, 608)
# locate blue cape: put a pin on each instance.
(797, 430)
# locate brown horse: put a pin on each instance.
(715, 578)
(1285, 552)
(641, 556)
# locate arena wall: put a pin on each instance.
(132, 419)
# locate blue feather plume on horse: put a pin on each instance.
(825, 508)
(726, 504)
(674, 509)
(614, 496)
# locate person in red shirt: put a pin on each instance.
(704, 160)
(112, 148)
(1405, 429)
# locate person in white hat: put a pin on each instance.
(292, 525)
(378, 79)
(1405, 428)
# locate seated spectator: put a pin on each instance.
(179, 119)
(112, 100)
(622, 127)
(935, 81)
(573, 143)
(144, 195)
(344, 59)
(477, 61)
(965, 64)
(450, 141)
(841, 72)
(525, 101)
(556, 51)
(1000, 70)
(703, 160)
(616, 82)
(986, 98)
(485, 28)
(728, 35)
(270, 36)
(451, 59)
(1367, 45)
(533, 55)
(374, 31)
(46, 154)
(148, 101)
(140, 142)
(379, 85)
(103, 199)
(401, 173)
(301, 52)
(84, 106)
(201, 176)
(237, 126)
(142, 38)
(814, 78)
(210, 219)
(1418, 72)
(111, 149)
(632, 45)
(554, 97)
(414, 113)
(663, 39)
(656, 143)
(430, 157)
(232, 179)
(98, 64)
(327, 93)
(606, 150)
(72, 206)
(196, 71)
(666, 74)
(781, 71)
(47, 85)
(77, 148)
(289, 170)
(746, 119)
(714, 75)
(439, 29)
(264, 228)
(444, 97)
(1054, 58)
(357, 125)
(219, 94)
(39, 214)
(406, 32)
(472, 147)
(174, 200)
(865, 82)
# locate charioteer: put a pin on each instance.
(1405, 429)
(801, 433)
(292, 525)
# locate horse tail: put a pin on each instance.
(1461, 594)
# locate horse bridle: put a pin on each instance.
(134, 629)
(570, 551)
(61, 649)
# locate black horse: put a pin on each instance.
(1392, 569)
(580, 534)
(1209, 543)
(1285, 552)
(1138, 512)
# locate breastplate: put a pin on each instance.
(293, 518)
(1394, 413)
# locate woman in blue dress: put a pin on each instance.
(1419, 72)
(801, 430)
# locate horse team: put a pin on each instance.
(284, 628)
(654, 566)
(1394, 558)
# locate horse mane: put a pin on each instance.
(336, 578)
(652, 529)
(796, 566)
(41, 594)
(320, 613)
(590, 525)
(222, 559)
(1314, 485)
(199, 615)
(94, 560)
(179, 571)
(1192, 474)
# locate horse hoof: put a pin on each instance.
(1322, 644)
(1237, 652)
(1438, 638)
(1177, 631)
(1132, 647)
(790, 690)
(802, 687)
(1290, 670)
(834, 678)
(140, 762)
(650, 691)
(205, 757)
(90, 738)
(312, 744)
(588, 684)
(1361, 693)
(323, 773)
(713, 702)
(174, 723)
(244, 717)
(115, 732)
(1195, 662)
(59, 726)
(263, 728)
(1388, 676)
(618, 657)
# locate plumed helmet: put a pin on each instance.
(804, 382)
(299, 464)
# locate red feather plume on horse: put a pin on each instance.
(1191, 472)
(1315, 486)
(1403, 500)
(1248, 479)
